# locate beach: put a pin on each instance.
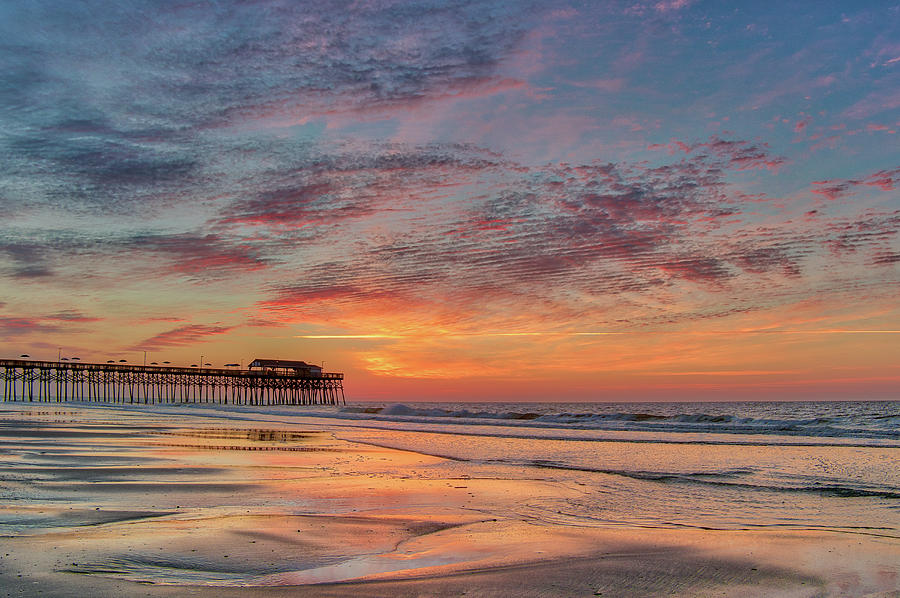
(183, 500)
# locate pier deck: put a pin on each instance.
(58, 381)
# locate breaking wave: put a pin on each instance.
(878, 421)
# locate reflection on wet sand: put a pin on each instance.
(32, 520)
(243, 440)
(249, 434)
(94, 508)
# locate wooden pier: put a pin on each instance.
(59, 381)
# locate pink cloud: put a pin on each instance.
(673, 146)
(57, 322)
(874, 103)
(13, 326)
(886, 180)
(885, 258)
(161, 319)
(874, 232)
(661, 7)
(297, 206)
(671, 5)
(801, 125)
(697, 269)
(742, 154)
(833, 189)
(71, 316)
(303, 295)
(883, 179)
(200, 255)
(184, 335)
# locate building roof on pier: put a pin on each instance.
(282, 363)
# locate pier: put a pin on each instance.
(266, 382)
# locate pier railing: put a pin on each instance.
(58, 381)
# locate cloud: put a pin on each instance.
(316, 189)
(105, 113)
(457, 235)
(17, 326)
(29, 259)
(744, 155)
(309, 293)
(63, 321)
(553, 232)
(671, 5)
(71, 316)
(183, 335)
(876, 102)
(801, 125)
(200, 255)
(886, 259)
(833, 189)
(697, 269)
(873, 232)
(102, 167)
(738, 153)
(761, 259)
(659, 7)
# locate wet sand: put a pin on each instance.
(181, 505)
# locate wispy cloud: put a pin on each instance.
(13, 326)
(183, 335)
(201, 255)
(837, 188)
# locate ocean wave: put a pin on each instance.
(405, 410)
(848, 426)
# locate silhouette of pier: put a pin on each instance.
(266, 382)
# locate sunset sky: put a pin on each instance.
(460, 200)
